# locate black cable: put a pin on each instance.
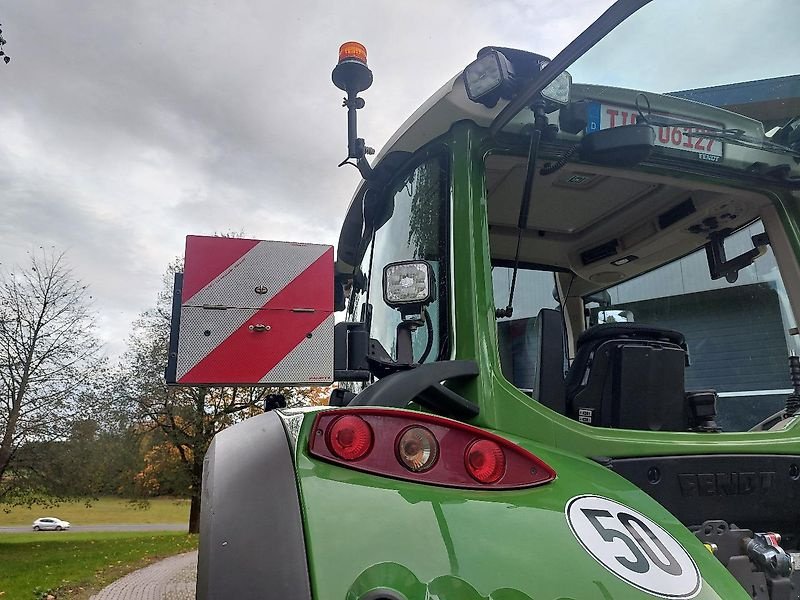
(429, 344)
(371, 257)
(550, 168)
(639, 110)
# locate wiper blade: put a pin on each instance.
(749, 141)
(734, 136)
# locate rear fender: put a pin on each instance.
(251, 530)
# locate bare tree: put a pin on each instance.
(48, 356)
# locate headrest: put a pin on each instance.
(638, 331)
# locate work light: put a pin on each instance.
(408, 284)
(488, 78)
(558, 90)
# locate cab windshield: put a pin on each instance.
(681, 45)
(734, 54)
(622, 290)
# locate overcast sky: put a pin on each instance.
(125, 126)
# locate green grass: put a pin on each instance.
(100, 512)
(75, 564)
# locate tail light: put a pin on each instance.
(485, 461)
(349, 437)
(424, 448)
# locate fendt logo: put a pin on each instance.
(726, 484)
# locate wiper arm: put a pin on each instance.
(605, 23)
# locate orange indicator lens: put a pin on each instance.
(417, 449)
(353, 51)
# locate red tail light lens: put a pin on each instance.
(424, 448)
(485, 461)
(349, 437)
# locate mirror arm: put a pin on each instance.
(381, 364)
(363, 166)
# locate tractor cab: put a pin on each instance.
(564, 356)
(634, 256)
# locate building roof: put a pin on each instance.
(771, 101)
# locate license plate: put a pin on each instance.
(686, 139)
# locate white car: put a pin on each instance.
(50, 523)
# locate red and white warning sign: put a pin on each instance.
(254, 312)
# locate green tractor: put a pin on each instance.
(567, 367)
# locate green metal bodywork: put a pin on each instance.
(365, 532)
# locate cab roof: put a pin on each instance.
(450, 104)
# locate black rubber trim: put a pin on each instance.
(251, 531)
(422, 384)
(170, 374)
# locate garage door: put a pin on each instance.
(736, 344)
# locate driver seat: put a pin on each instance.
(629, 376)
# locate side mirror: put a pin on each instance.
(624, 146)
(719, 266)
(603, 298)
(614, 316)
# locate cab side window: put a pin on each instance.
(413, 226)
(518, 337)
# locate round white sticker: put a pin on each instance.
(633, 547)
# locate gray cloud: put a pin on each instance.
(126, 126)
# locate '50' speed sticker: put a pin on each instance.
(633, 547)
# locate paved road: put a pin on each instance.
(170, 579)
(117, 527)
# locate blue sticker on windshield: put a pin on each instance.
(593, 117)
